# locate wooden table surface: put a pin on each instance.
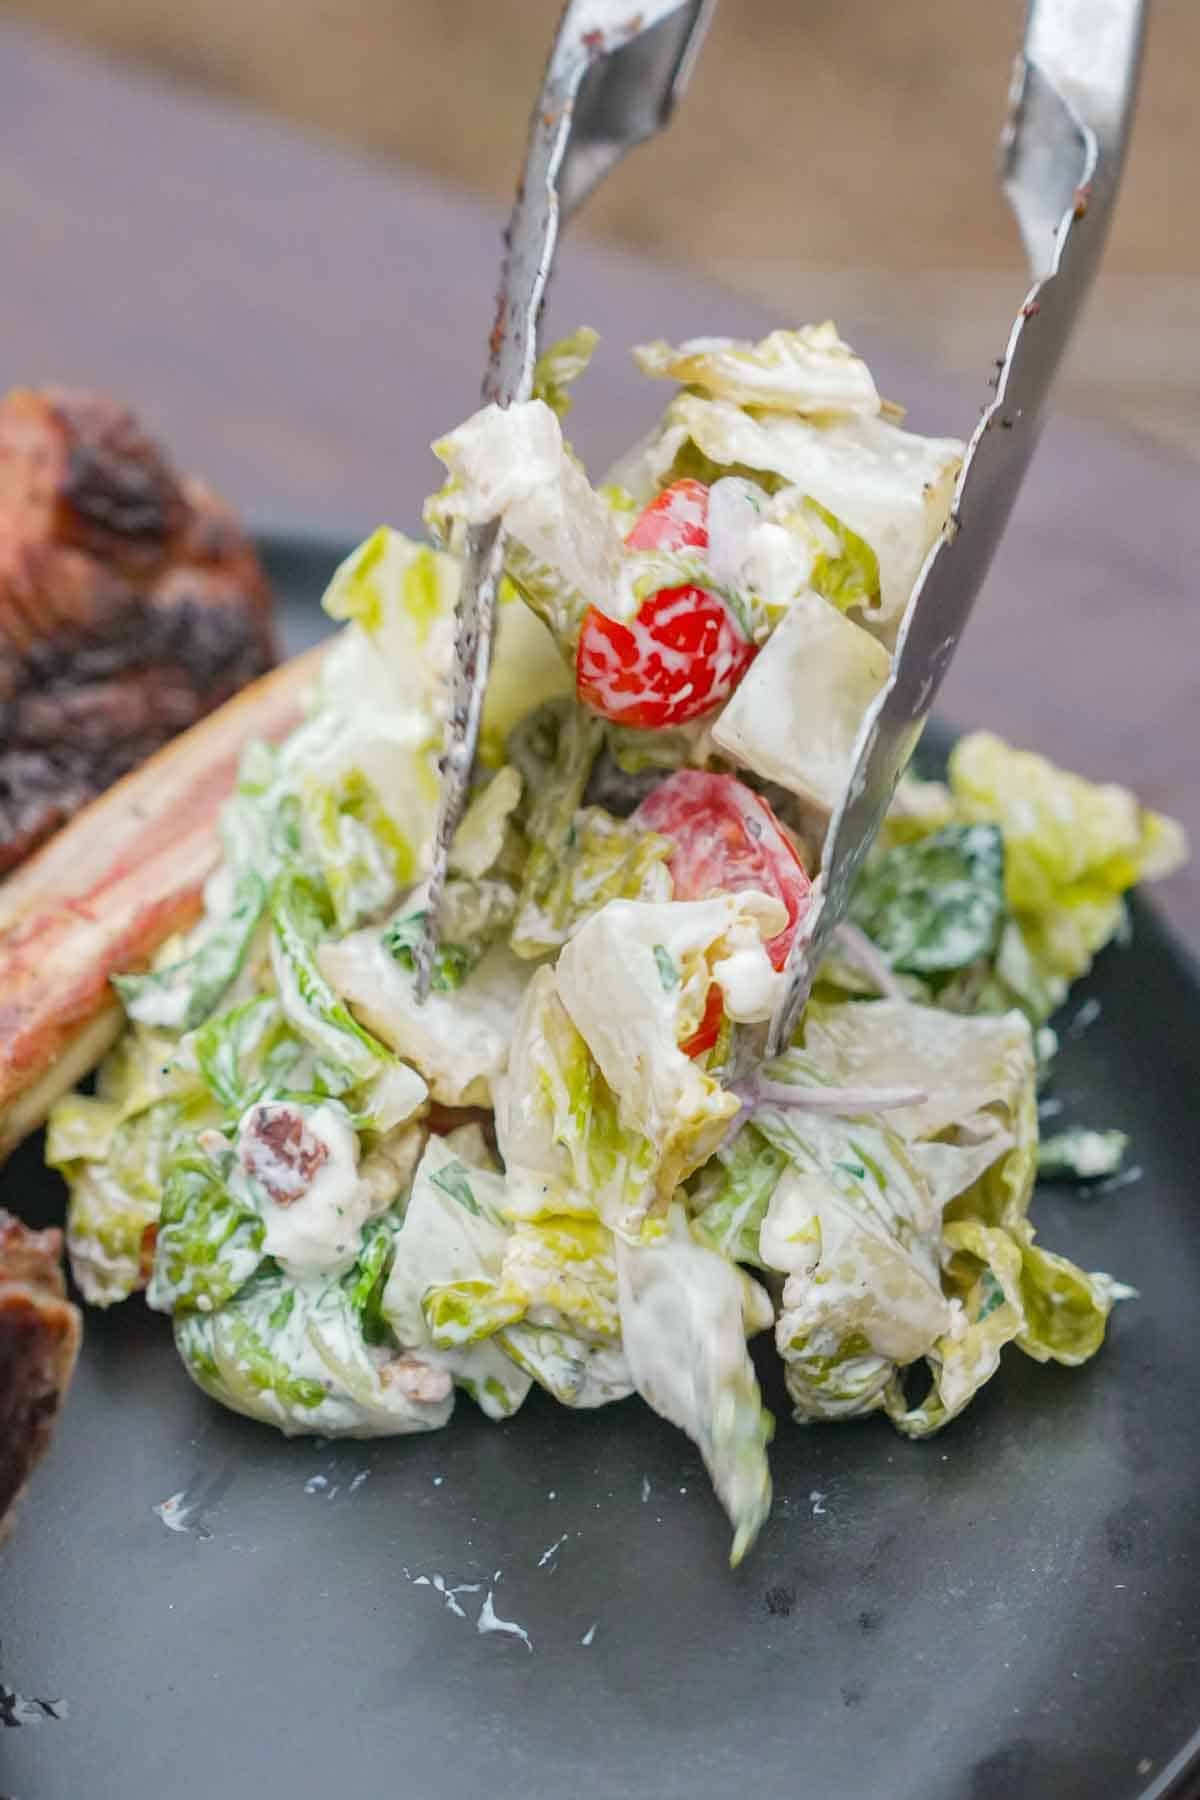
(298, 324)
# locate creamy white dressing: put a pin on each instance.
(317, 1229)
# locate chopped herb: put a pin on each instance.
(668, 974)
(453, 1181)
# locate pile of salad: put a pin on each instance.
(353, 1205)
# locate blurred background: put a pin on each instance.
(825, 154)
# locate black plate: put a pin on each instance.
(1008, 1610)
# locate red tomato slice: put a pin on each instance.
(726, 839)
(684, 653)
(709, 1028)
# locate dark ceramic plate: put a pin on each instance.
(1009, 1610)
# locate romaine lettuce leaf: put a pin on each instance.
(210, 1239)
(810, 371)
(181, 994)
(729, 1199)
(566, 1150)
(795, 715)
(610, 978)
(602, 859)
(889, 487)
(247, 1053)
(294, 1355)
(683, 1334)
(439, 1299)
(937, 905)
(1072, 849)
(459, 1037)
(560, 365)
(301, 918)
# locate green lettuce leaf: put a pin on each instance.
(247, 1054)
(560, 365)
(181, 995)
(602, 859)
(937, 905)
(731, 1194)
(1072, 849)
(210, 1241)
(683, 1334)
(810, 371)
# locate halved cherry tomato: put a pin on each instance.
(684, 653)
(726, 839)
(709, 1029)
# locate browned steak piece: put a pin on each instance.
(131, 604)
(39, 1341)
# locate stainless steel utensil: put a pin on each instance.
(609, 85)
(614, 76)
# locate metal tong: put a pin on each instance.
(611, 84)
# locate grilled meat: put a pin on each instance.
(131, 604)
(39, 1341)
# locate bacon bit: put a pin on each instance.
(415, 1379)
(1083, 197)
(593, 40)
(146, 1252)
(1031, 309)
(281, 1153)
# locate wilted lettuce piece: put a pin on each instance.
(459, 1037)
(301, 918)
(1072, 847)
(564, 1146)
(731, 1195)
(610, 980)
(889, 487)
(482, 835)
(510, 463)
(809, 371)
(1010, 1291)
(247, 1053)
(795, 716)
(560, 365)
(180, 995)
(440, 1298)
(574, 1371)
(114, 1203)
(1080, 1154)
(683, 1334)
(561, 1272)
(528, 668)
(294, 1356)
(936, 905)
(855, 1230)
(363, 857)
(604, 859)
(210, 1240)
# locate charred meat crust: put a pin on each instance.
(39, 1342)
(131, 604)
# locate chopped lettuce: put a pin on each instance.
(796, 714)
(183, 993)
(1079, 1154)
(684, 1336)
(460, 1036)
(810, 372)
(560, 365)
(603, 859)
(935, 906)
(210, 1240)
(1072, 849)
